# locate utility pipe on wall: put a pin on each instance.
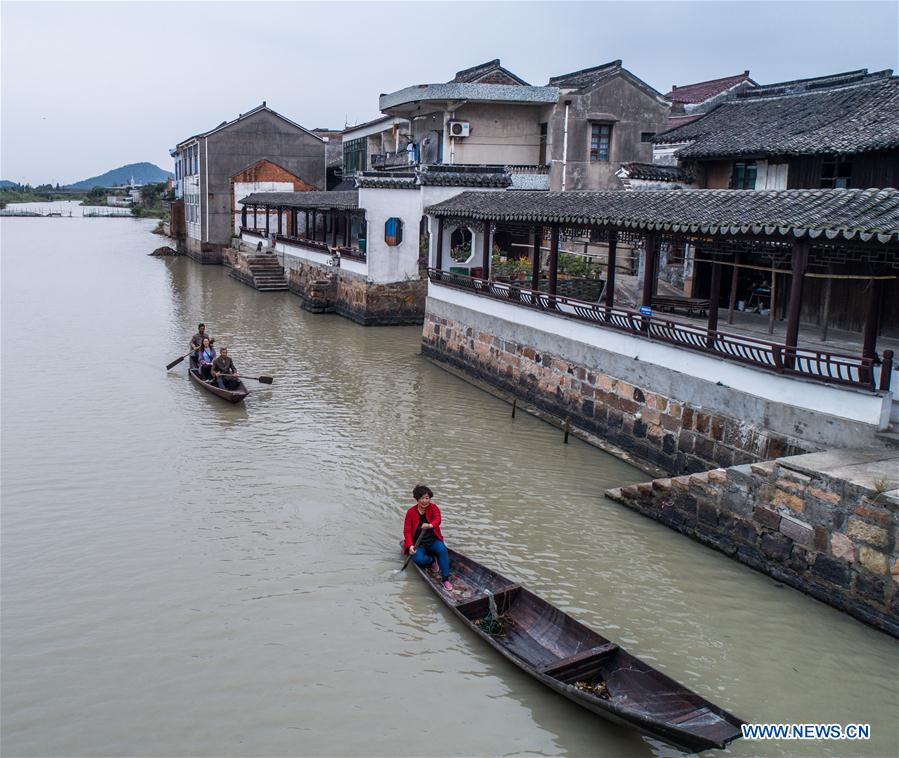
(206, 171)
(565, 145)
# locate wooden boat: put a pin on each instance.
(232, 396)
(580, 664)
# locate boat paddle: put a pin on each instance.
(263, 379)
(414, 547)
(178, 360)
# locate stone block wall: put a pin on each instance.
(826, 535)
(202, 252)
(381, 304)
(672, 434)
(314, 285)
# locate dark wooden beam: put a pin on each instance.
(649, 269)
(872, 319)
(438, 245)
(535, 263)
(714, 297)
(794, 309)
(255, 223)
(734, 277)
(610, 274)
(243, 215)
(280, 213)
(553, 259)
(346, 229)
(333, 228)
(268, 215)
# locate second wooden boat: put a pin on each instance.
(232, 396)
(577, 662)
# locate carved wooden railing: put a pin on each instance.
(835, 368)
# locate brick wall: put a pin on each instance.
(829, 536)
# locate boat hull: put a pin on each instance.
(232, 396)
(561, 652)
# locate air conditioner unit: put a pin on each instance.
(458, 128)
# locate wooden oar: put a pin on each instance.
(263, 379)
(178, 360)
(414, 547)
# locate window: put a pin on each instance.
(600, 137)
(647, 136)
(836, 171)
(743, 175)
(355, 155)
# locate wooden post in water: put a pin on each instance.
(567, 429)
(514, 406)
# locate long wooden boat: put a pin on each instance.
(577, 662)
(232, 396)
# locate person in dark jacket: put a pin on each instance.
(196, 342)
(422, 527)
(222, 367)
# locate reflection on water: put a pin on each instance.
(181, 576)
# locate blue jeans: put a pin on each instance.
(424, 557)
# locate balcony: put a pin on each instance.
(804, 362)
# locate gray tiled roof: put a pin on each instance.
(437, 175)
(827, 213)
(657, 173)
(500, 93)
(348, 200)
(841, 118)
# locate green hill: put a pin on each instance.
(142, 173)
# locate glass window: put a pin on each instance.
(743, 175)
(836, 171)
(600, 137)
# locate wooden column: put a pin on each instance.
(553, 259)
(872, 320)
(255, 223)
(306, 225)
(280, 213)
(610, 274)
(314, 225)
(733, 287)
(649, 269)
(825, 315)
(346, 229)
(243, 216)
(333, 228)
(267, 219)
(438, 245)
(487, 250)
(535, 263)
(800, 259)
(714, 297)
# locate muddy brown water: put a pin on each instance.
(185, 577)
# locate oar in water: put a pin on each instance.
(263, 379)
(178, 360)
(414, 547)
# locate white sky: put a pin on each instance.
(86, 87)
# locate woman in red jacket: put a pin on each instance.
(423, 520)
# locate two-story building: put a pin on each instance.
(605, 116)
(207, 163)
(840, 130)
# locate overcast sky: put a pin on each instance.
(86, 87)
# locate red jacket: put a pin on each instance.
(432, 516)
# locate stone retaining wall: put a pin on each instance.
(314, 285)
(666, 431)
(831, 535)
(381, 304)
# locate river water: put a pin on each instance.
(185, 577)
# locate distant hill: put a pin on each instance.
(4, 183)
(142, 173)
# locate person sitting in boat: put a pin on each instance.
(205, 358)
(422, 528)
(196, 342)
(222, 367)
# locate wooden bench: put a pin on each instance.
(582, 662)
(672, 303)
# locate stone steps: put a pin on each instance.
(268, 274)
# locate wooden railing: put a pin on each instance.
(322, 247)
(818, 365)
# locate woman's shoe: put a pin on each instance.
(447, 586)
